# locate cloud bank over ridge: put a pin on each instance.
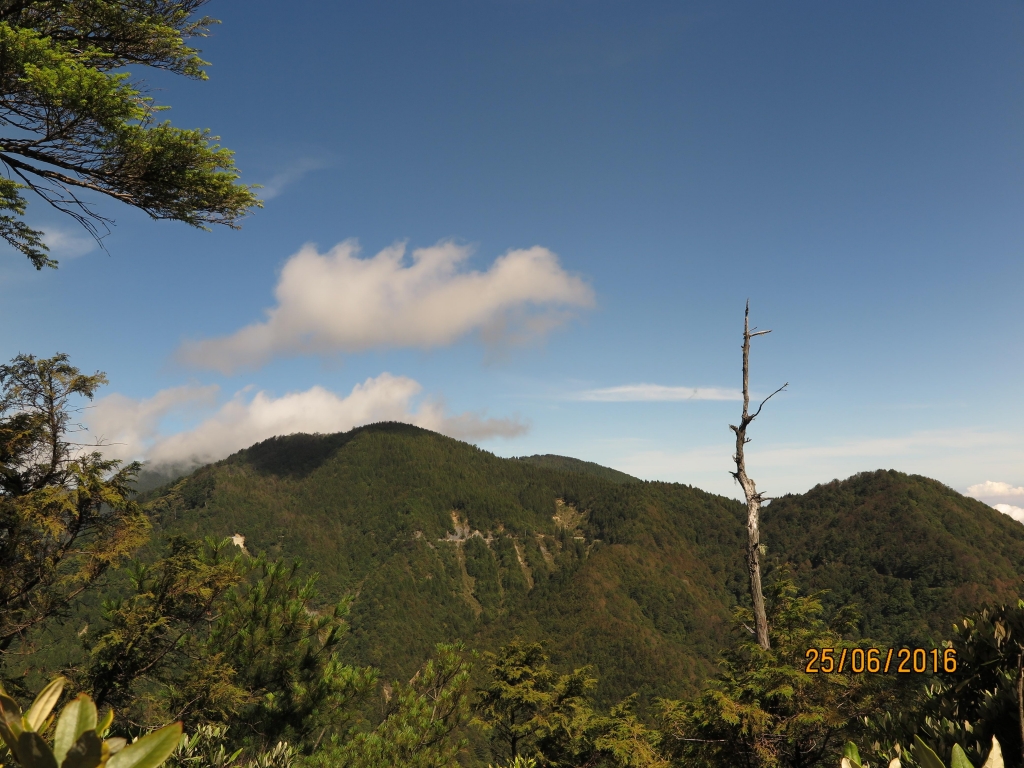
(338, 302)
(133, 429)
(1001, 496)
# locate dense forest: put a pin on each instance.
(548, 608)
(442, 540)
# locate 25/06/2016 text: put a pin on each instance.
(879, 660)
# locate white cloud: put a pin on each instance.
(277, 183)
(133, 427)
(338, 302)
(993, 490)
(996, 494)
(1017, 513)
(656, 393)
(65, 244)
(128, 426)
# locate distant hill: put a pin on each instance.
(438, 540)
(568, 464)
(912, 552)
(157, 477)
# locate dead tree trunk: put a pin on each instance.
(754, 499)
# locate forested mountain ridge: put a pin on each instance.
(437, 540)
(912, 552)
(569, 464)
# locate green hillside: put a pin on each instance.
(913, 553)
(569, 464)
(440, 540)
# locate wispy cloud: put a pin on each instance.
(277, 183)
(656, 393)
(68, 244)
(129, 427)
(134, 429)
(339, 302)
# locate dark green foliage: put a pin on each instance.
(149, 633)
(632, 582)
(637, 580)
(76, 120)
(525, 701)
(483, 570)
(373, 509)
(421, 723)
(912, 553)
(197, 490)
(568, 464)
(529, 711)
(763, 710)
(211, 638)
(515, 578)
(285, 652)
(981, 699)
(66, 515)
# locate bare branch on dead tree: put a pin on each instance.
(753, 497)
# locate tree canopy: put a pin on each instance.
(66, 512)
(763, 710)
(76, 122)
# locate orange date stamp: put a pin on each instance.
(879, 660)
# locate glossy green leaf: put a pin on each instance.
(78, 717)
(925, 756)
(105, 723)
(852, 754)
(33, 752)
(44, 704)
(959, 759)
(149, 751)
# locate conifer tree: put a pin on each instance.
(77, 125)
(764, 709)
(66, 513)
(213, 639)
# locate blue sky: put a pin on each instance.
(594, 189)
